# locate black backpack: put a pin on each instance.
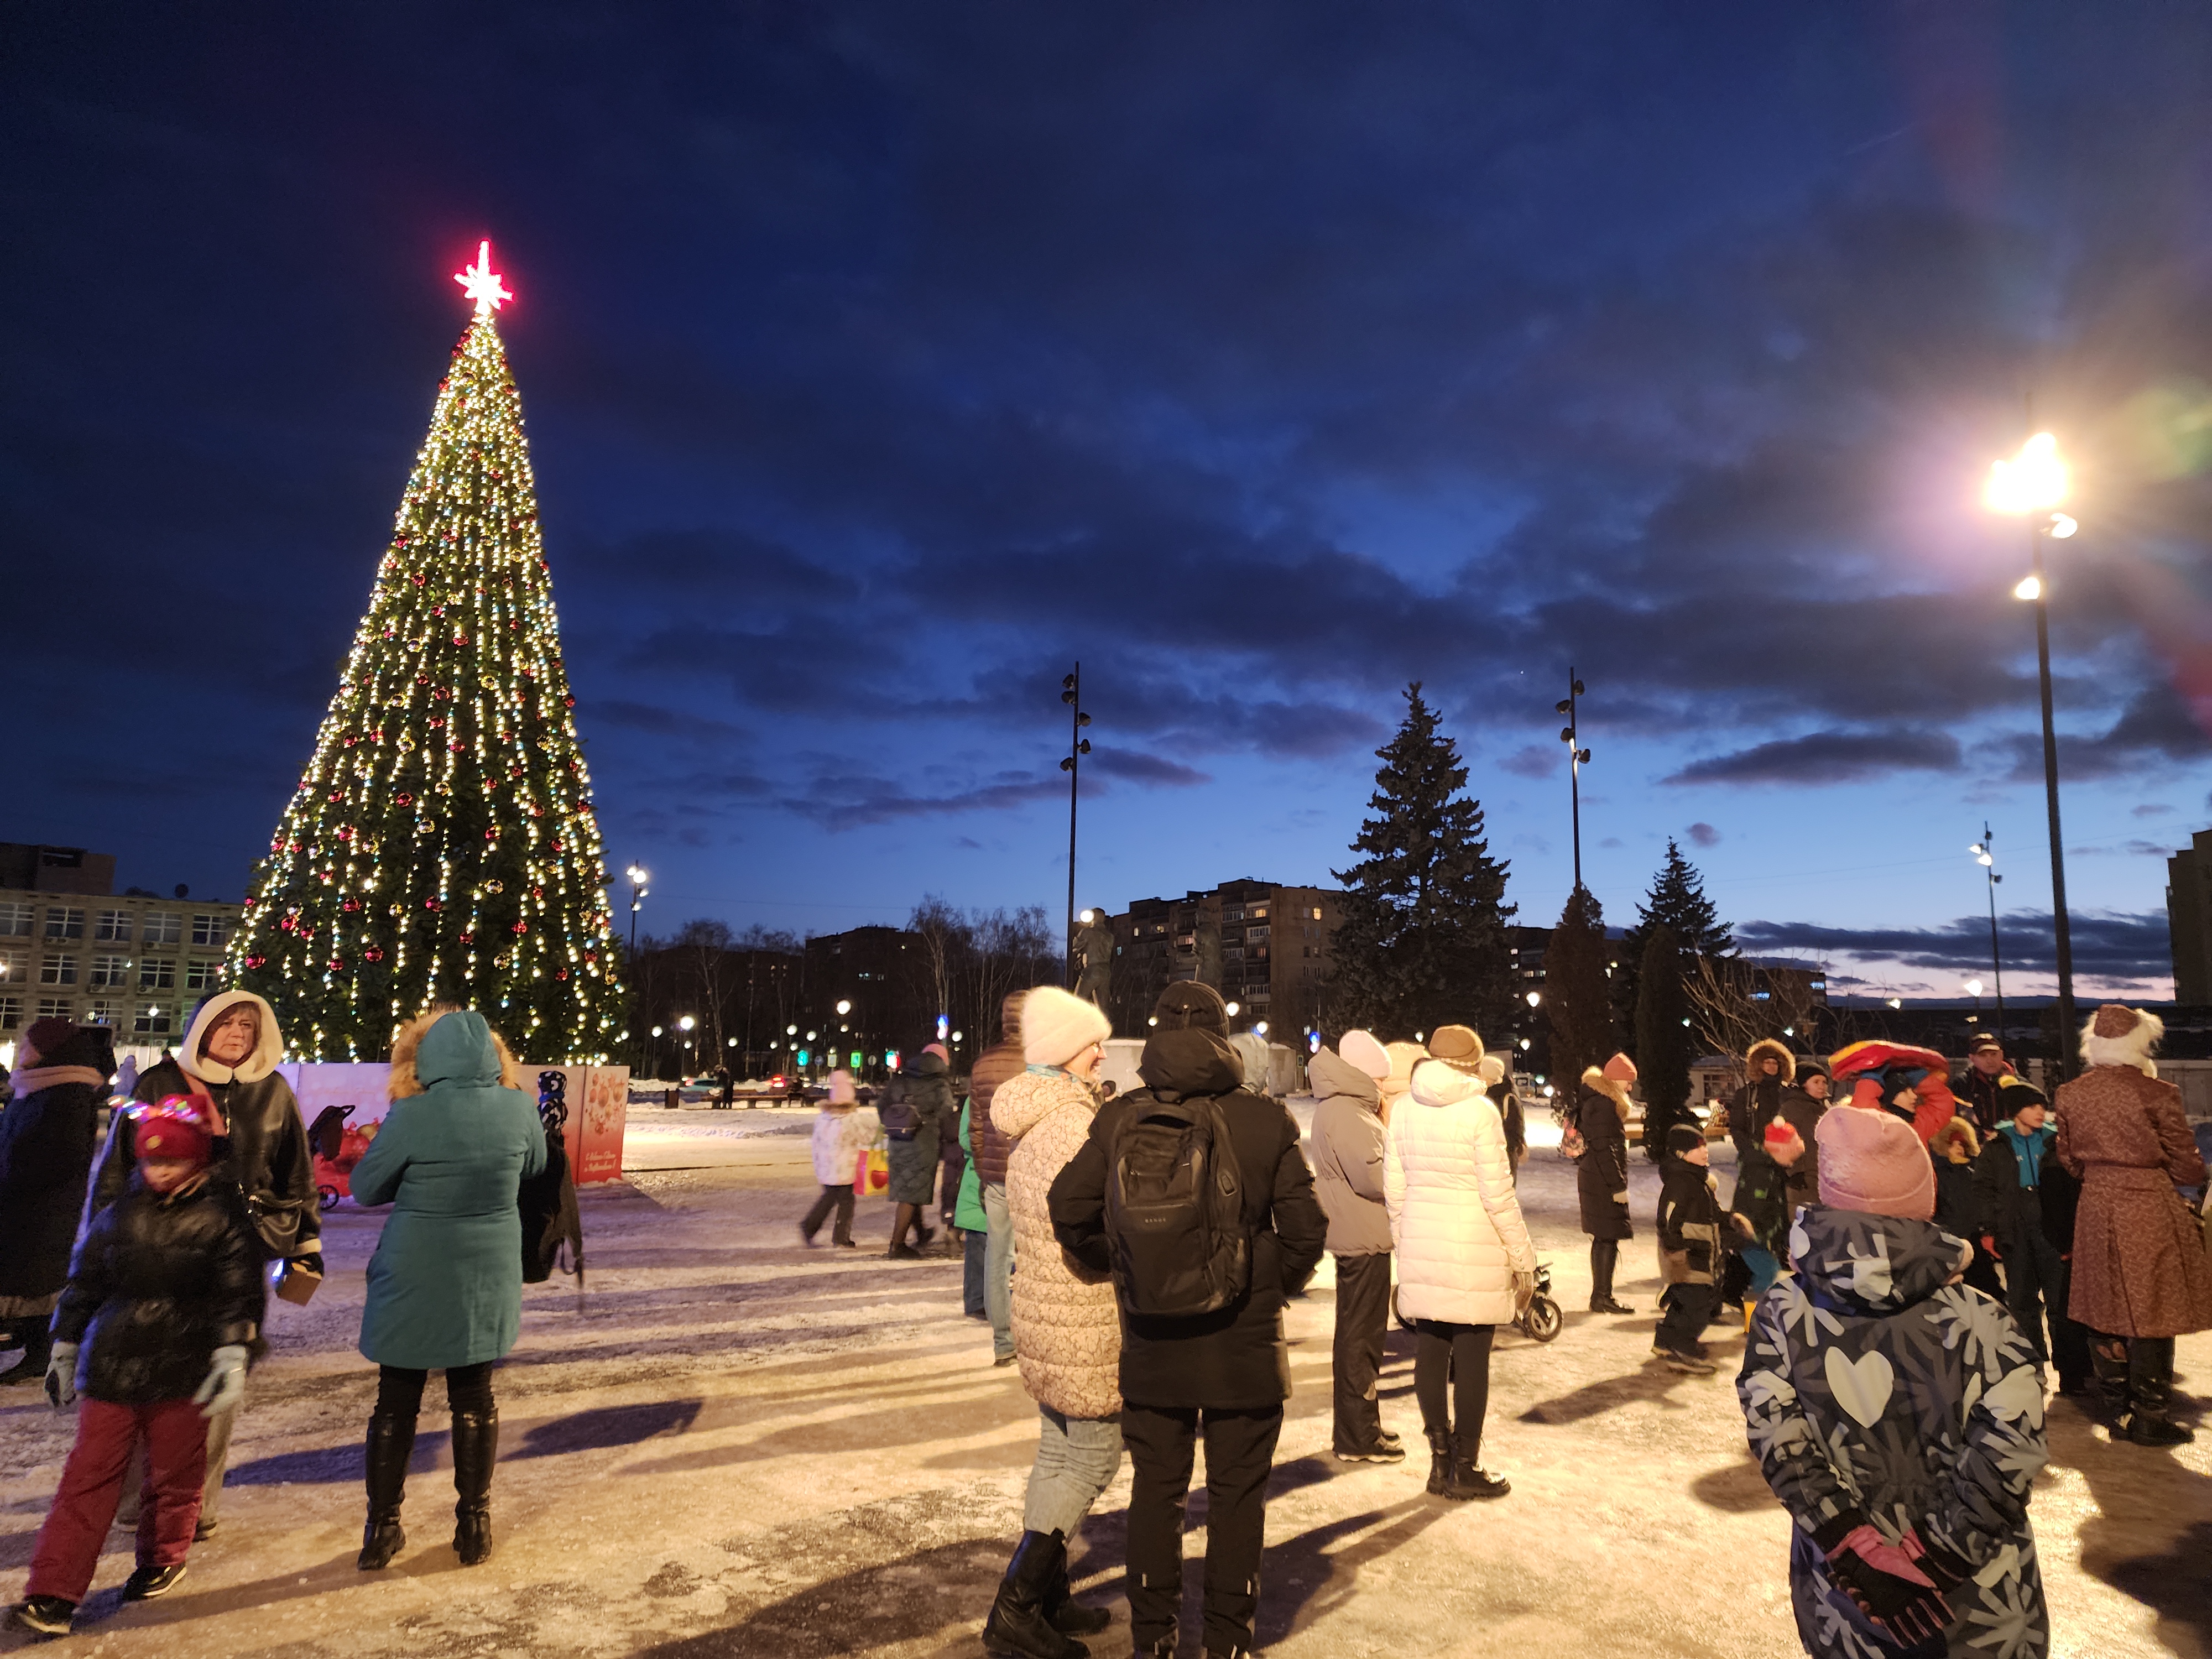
(1175, 1211)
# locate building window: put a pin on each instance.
(157, 973)
(64, 921)
(151, 1018)
(15, 919)
(11, 1012)
(57, 971)
(108, 970)
(101, 1013)
(1316, 913)
(1257, 933)
(55, 1008)
(202, 975)
(112, 925)
(163, 927)
(1259, 913)
(209, 930)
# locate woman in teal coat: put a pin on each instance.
(444, 1286)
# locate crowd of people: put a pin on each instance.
(1908, 1252)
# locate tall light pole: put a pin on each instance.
(2030, 486)
(638, 893)
(1576, 756)
(1070, 693)
(1985, 854)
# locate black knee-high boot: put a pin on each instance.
(2108, 1375)
(391, 1442)
(1605, 1256)
(2150, 1394)
(476, 1450)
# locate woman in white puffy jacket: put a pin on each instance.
(1464, 1264)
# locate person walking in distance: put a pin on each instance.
(2141, 1275)
(1067, 1331)
(994, 1066)
(151, 1332)
(445, 1285)
(1465, 1263)
(840, 1137)
(1194, 1192)
(916, 1109)
(1347, 1155)
(1602, 1174)
(1689, 1225)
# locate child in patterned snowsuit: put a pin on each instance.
(1897, 1415)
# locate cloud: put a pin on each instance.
(2149, 809)
(2137, 849)
(1140, 768)
(2106, 945)
(1829, 757)
(1534, 760)
(1704, 835)
(1612, 841)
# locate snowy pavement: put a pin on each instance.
(732, 1445)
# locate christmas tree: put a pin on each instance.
(1677, 902)
(1422, 938)
(440, 846)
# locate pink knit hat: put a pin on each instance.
(1874, 1161)
(1620, 1069)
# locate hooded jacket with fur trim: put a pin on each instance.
(1448, 1186)
(1758, 1101)
(1602, 1177)
(263, 1150)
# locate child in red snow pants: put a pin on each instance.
(92, 1485)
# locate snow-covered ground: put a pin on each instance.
(730, 1445)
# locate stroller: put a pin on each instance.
(1540, 1320)
(338, 1148)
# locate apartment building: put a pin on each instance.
(1263, 945)
(72, 946)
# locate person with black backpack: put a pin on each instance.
(916, 1109)
(1193, 1193)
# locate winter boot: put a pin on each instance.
(1440, 1461)
(37, 1342)
(1465, 1481)
(391, 1442)
(2150, 1394)
(1605, 1256)
(476, 1450)
(1018, 1627)
(2108, 1377)
(1069, 1616)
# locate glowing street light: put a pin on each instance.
(2030, 486)
(1231, 1010)
(1534, 998)
(1984, 852)
(843, 1009)
(637, 895)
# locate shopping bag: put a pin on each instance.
(879, 1170)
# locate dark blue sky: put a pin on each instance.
(881, 360)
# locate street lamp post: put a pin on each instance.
(2031, 486)
(1070, 693)
(638, 893)
(1576, 756)
(1985, 854)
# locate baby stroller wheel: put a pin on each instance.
(1542, 1321)
(326, 1197)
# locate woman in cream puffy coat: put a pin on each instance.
(1464, 1259)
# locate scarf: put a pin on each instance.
(32, 1079)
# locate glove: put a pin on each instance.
(224, 1386)
(1944, 1568)
(1886, 1584)
(1989, 1247)
(1524, 1290)
(61, 1375)
(310, 1263)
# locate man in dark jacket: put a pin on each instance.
(1001, 1061)
(1804, 1103)
(1771, 1069)
(1347, 1146)
(1979, 1089)
(1226, 1374)
(2030, 1201)
(46, 1137)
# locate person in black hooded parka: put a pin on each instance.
(48, 1134)
(1224, 1375)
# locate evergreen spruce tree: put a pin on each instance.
(1577, 995)
(1677, 902)
(441, 845)
(1421, 942)
(1664, 1044)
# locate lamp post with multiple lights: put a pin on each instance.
(1070, 693)
(1576, 758)
(2030, 486)
(1985, 854)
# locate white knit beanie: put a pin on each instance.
(1056, 1026)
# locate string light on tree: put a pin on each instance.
(441, 845)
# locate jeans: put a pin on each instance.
(998, 1271)
(1240, 1452)
(978, 1246)
(838, 1196)
(1363, 1316)
(1077, 1458)
(1461, 1354)
(175, 1439)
